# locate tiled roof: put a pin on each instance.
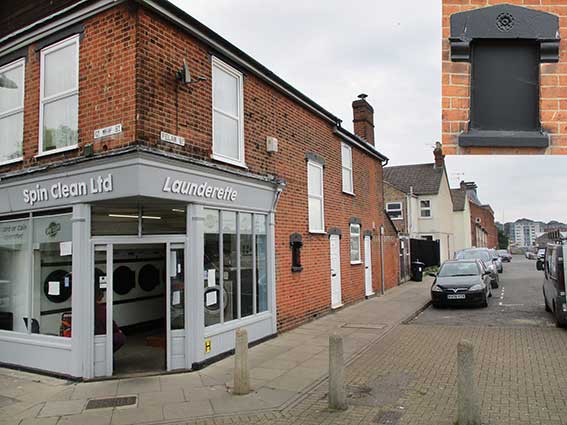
(424, 179)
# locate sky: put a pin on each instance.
(333, 50)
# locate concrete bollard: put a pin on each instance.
(468, 404)
(241, 369)
(337, 389)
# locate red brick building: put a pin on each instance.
(188, 188)
(484, 232)
(470, 26)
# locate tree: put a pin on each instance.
(502, 240)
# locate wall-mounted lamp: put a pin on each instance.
(184, 76)
(296, 242)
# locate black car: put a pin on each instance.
(554, 283)
(464, 282)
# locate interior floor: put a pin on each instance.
(141, 353)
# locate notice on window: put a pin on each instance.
(102, 282)
(176, 298)
(211, 281)
(210, 298)
(65, 248)
(54, 288)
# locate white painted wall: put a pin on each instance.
(462, 227)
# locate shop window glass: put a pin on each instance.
(11, 111)
(246, 266)
(163, 220)
(52, 279)
(211, 266)
(113, 221)
(14, 274)
(260, 231)
(230, 270)
(59, 97)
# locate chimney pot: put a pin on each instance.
(363, 118)
(439, 157)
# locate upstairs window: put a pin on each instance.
(425, 208)
(11, 112)
(59, 96)
(394, 210)
(315, 197)
(346, 160)
(228, 133)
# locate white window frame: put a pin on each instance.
(345, 147)
(59, 96)
(217, 63)
(318, 197)
(421, 209)
(20, 109)
(359, 259)
(400, 210)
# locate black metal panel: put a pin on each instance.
(428, 252)
(504, 22)
(505, 85)
(312, 156)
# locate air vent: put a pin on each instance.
(101, 403)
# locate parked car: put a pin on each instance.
(554, 282)
(483, 255)
(505, 255)
(461, 282)
(496, 260)
(541, 253)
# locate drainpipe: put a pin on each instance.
(382, 259)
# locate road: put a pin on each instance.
(518, 301)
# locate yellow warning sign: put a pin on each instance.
(207, 346)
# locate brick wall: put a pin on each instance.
(391, 254)
(486, 222)
(128, 61)
(456, 84)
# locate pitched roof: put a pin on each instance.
(458, 197)
(424, 179)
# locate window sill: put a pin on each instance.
(425, 218)
(348, 193)
(56, 151)
(355, 263)
(317, 232)
(396, 219)
(12, 161)
(504, 139)
(229, 161)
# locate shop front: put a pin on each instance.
(133, 263)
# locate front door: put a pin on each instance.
(336, 300)
(139, 313)
(368, 266)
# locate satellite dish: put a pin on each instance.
(183, 74)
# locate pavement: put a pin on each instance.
(286, 373)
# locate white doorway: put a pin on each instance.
(335, 244)
(368, 266)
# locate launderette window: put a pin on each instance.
(14, 274)
(109, 220)
(51, 312)
(235, 252)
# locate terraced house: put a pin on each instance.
(159, 188)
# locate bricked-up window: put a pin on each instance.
(355, 244)
(11, 111)
(315, 196)
(59, 96)
(394, 210)
(346, 160)
(425, 208)
(505, 86)
(228, 134)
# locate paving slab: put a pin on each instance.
(139, 385)
(161, 398)
(61, 408)
(91, 417)
(187, 409)
(239, 404)
(128, 416)
(95, 389)
(206, 393)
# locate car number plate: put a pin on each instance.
(456, 297)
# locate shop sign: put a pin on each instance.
(99, 133)
(13, 232)
(94, 185)
(203, 190)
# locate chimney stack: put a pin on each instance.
(363, 118)
(439, 157)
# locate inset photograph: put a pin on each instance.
(503, 85)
